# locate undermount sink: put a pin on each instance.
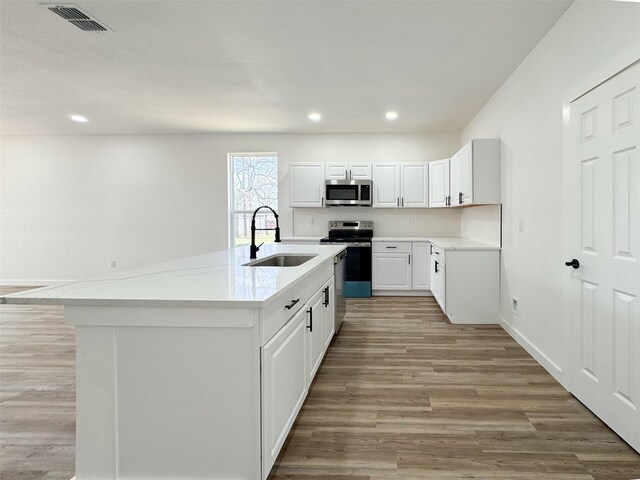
(281, 260)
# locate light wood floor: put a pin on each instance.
(401, 394)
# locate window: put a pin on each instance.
(253, 183)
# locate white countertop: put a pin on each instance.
(217, 279)
(446, 243)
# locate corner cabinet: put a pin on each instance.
(470, 177)
(400, 185)
(306, 185)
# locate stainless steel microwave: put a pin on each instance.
(351, 193)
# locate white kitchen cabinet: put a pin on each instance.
(420, 265)
(400, 185)
(438, 286)
(348, 171)
(386, 185)
(391, 271)
(475, 173)
(466, 284)
(414, 185)
(306, 184)
(315, 340)
(284, 385)
(328, 313)
(439, 183)
(391, 266)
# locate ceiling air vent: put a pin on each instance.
(77, 17)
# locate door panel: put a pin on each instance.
(601, 191)
(414, 185)
(386, 185)
(438, 183)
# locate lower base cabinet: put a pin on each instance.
(284, 385)
(400, 268)
(466, 284)
(289, 363)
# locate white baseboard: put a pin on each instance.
(548, 364)
(31, 283)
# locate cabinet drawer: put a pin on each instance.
(439, 254)
(281, 310)
(391, 247)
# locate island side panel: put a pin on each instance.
(95, 403)
(167, 401)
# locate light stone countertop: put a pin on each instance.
(217, 279)
(446, 243)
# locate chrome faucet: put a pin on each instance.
(254, 248)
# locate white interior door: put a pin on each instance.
(603, 206)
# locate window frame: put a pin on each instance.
(231, 211)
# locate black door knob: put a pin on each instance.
(573, 263)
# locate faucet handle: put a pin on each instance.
(258, 247)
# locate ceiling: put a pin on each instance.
(261, 66)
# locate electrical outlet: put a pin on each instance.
(309, 221)
(514, 305)
(112, 264)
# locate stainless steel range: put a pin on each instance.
(356, 235)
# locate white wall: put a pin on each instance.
(590, 42)
(71, 204)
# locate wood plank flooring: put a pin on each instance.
(401, 394)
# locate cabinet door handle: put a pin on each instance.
(322, 202)
(398, 201)
(350, 175)
(346, 175)
(460, 198)
(310, 312)
(573, 263)
(293, 302)
(436, 266)
(431, 248)
(326, 297)
(409, 259)
(392, 247)
(436, 252)
(403, 201)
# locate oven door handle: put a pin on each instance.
(349, 244)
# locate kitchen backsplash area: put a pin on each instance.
(312, 222)
(481, 223)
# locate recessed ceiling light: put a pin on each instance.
(391, 115)
(315, 117)
(78, 118)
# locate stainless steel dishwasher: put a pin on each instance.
(340, 303)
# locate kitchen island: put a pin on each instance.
(197, 367)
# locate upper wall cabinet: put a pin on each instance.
(470, 177)
(306, 184)
(439, 183)
(475, 173)
(348, 171)
(400, 185)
